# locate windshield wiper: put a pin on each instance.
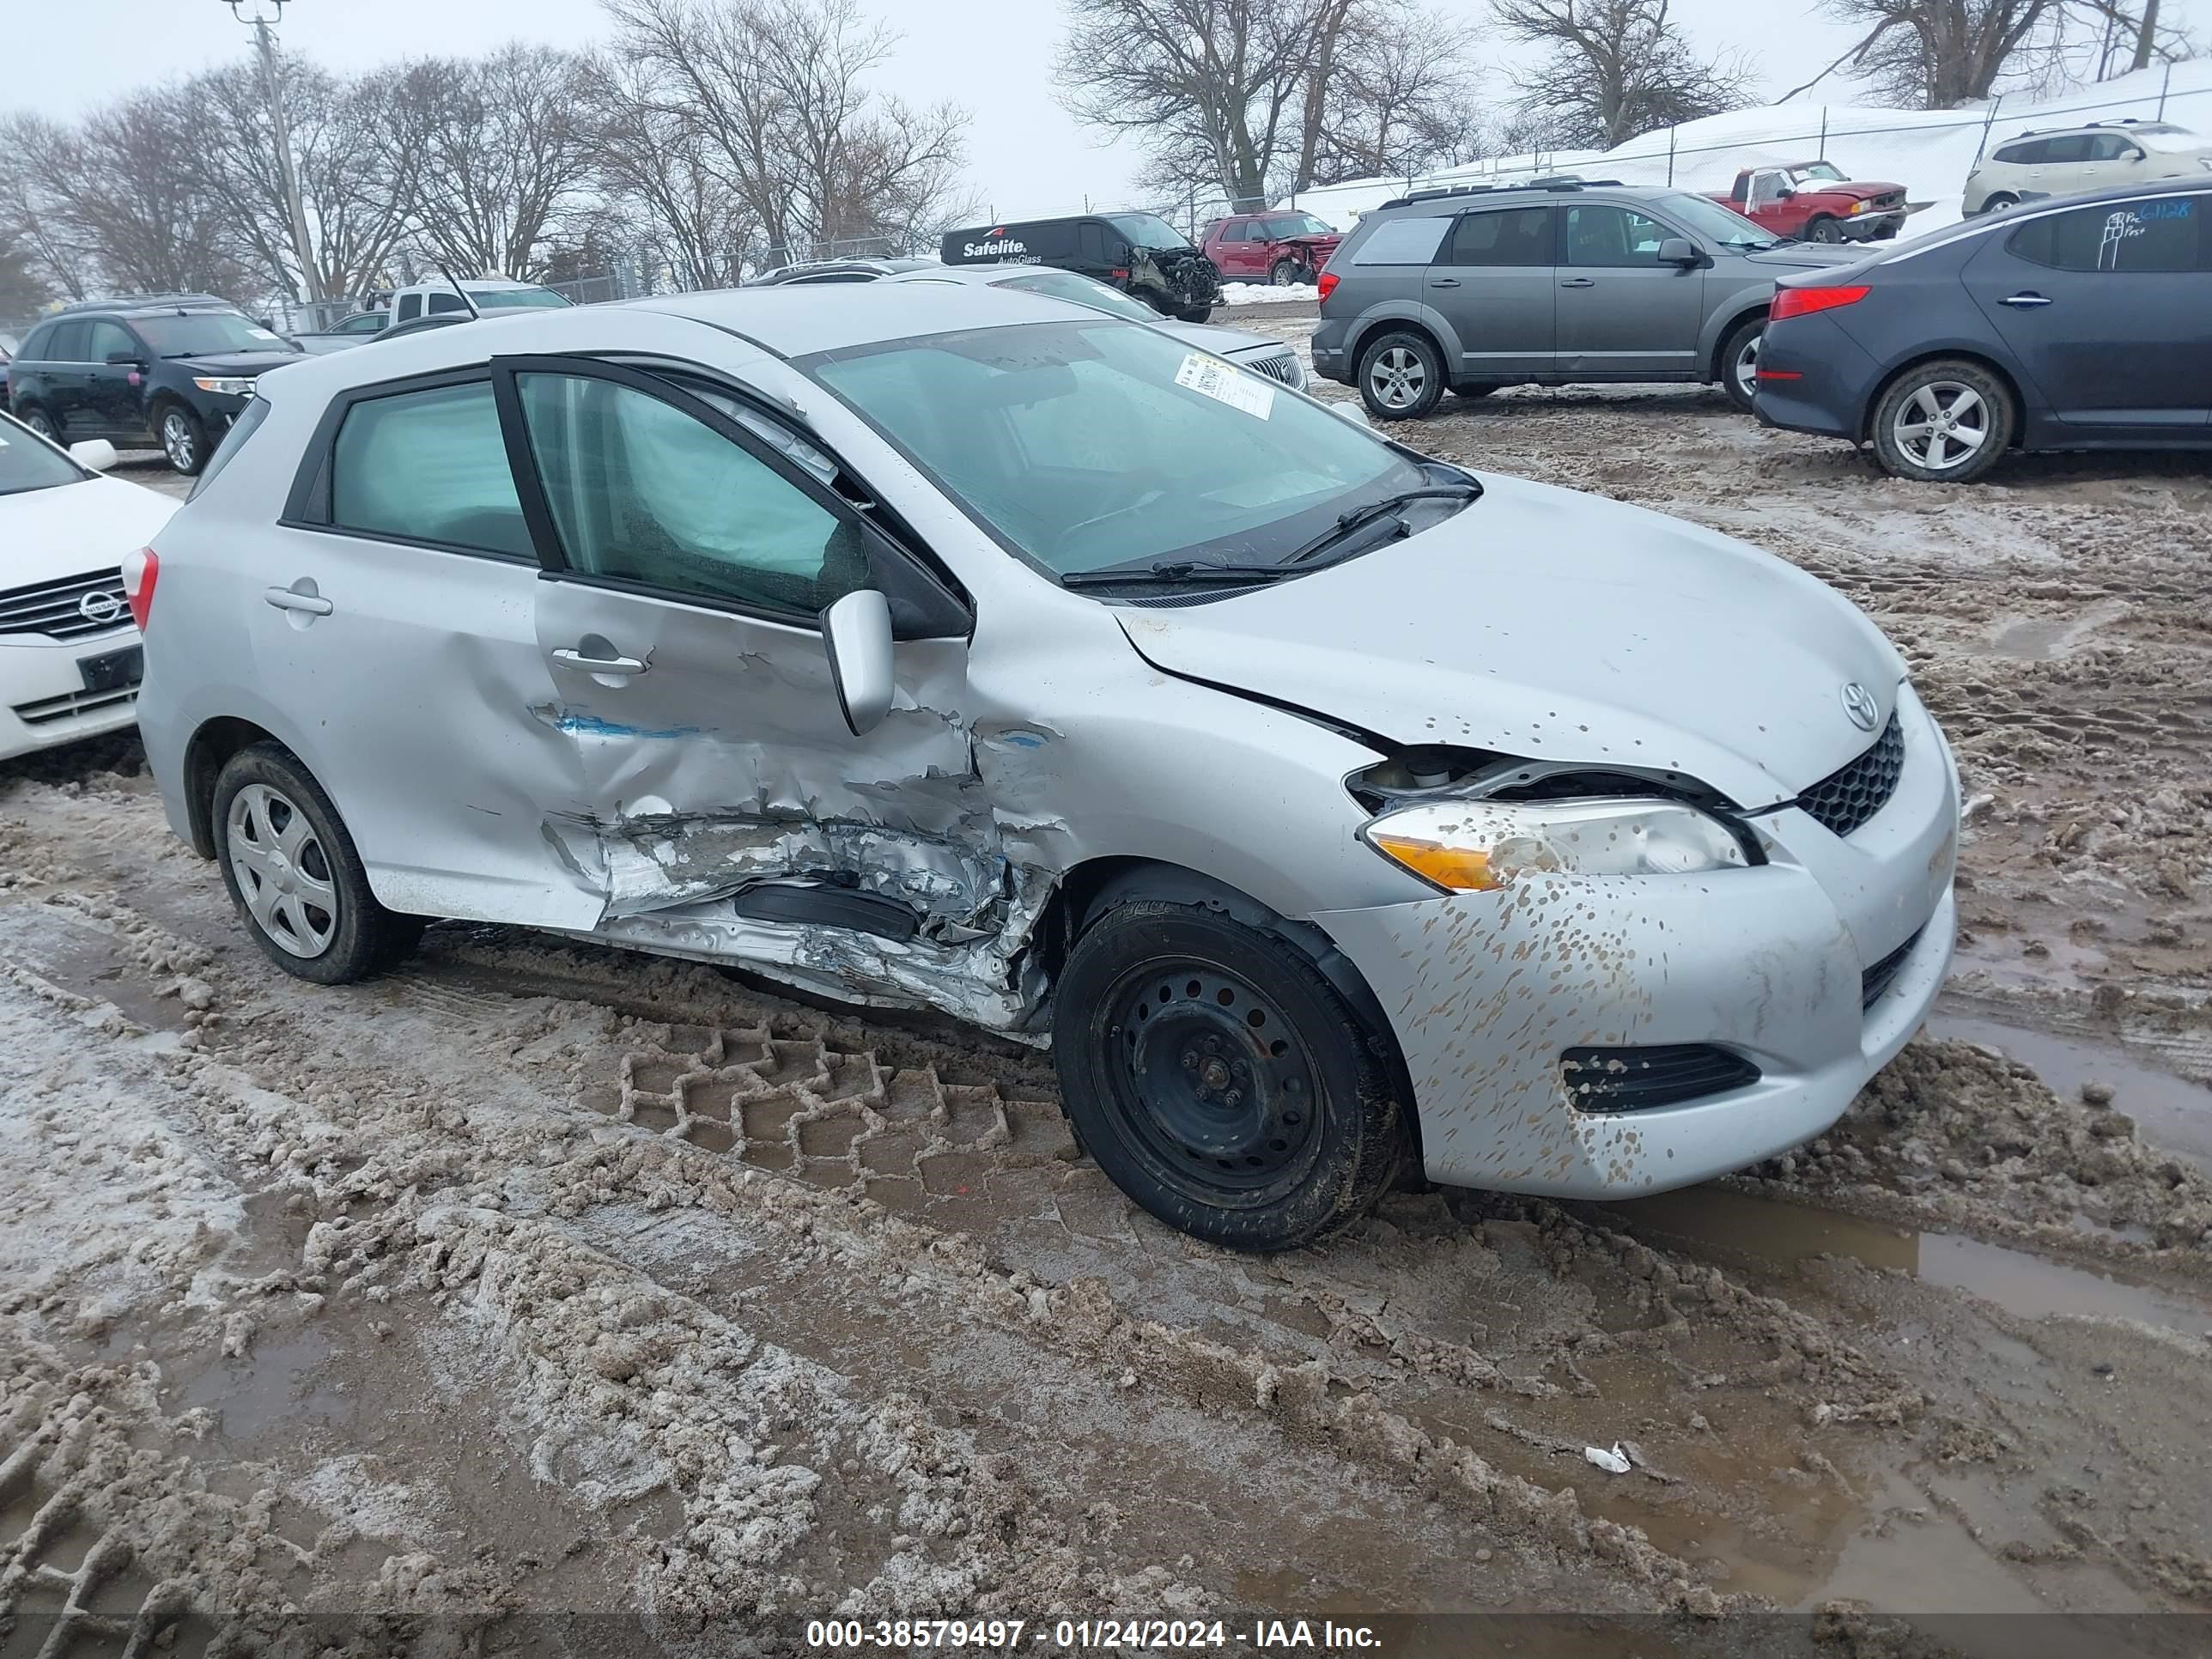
(1170, 570)
(1360, 516)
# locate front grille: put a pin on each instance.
(57, 608)
(1886, 200)
(1662, 1074)
(1848, 796)
(1277, 365)
(1879, 978)
(71, 704)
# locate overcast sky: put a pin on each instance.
(1026, 154)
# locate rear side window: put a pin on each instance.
(68, 343)
(1402, 242)
(1521, 237)
(2023, 155)
(2073, 148)
(428, 466)
(2161, 233)
(39, 347)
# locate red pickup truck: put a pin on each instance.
(1814, 202)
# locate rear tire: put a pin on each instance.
(1946, 422)
(292, 871)
(1739, 361)
(40, 423)
(1998, 200)
(1401, 376)
(1821, 229)
(1220, 1080)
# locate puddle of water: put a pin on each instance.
(1773, 1235)
(2170, 1112)
(273, 1384)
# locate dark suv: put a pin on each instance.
(171, 370)
(1565, 281)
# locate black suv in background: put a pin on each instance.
(1139, 253)
(167, 369)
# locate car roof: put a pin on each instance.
(1452, 197)
(787, 322)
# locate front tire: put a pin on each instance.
(1194, 314)
(1739, 361)
(1220, 1080)
(1822, 228)
(1286, 273)
(184, 439)
(1401, 377)
(1946, 422)
(292, 871)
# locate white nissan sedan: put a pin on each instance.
(69, 656)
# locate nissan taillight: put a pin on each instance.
(140, 570)
(1804, 301)
(1328, 283)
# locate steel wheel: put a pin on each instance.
(1824, 230)
(1942, 426)
(283, 875)
(181, 440)
(1398, 378)
(1212, 1080)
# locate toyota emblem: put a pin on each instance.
(99, 609)
(1859, 704)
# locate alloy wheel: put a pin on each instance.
(1212, 1080)
(1398, 378)
(1942, 426)
(282, 872)
(1745, 366)
(178, 442)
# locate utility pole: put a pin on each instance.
(272, 82)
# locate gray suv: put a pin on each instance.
(1560, 282)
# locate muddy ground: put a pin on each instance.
(540, 1298)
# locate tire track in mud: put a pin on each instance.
(1338, 1348)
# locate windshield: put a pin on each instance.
(1709, 219)
(1084, 291)
(26, 464)
(1813, 171)
(2167, 137)
(205, 333)
(1148, 230)
(508, 299)
(1084, 445)
(1297, 224)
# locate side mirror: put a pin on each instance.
(94, 454)
(857, 632)
(123, 360)
(1679, 251)
(1783, 192)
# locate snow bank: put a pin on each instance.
(1930, 152)
(1266, 293)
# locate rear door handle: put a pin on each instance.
(285, 598)
(1444, 282)
(577, 660)
(2023, 301)
(1580, 281)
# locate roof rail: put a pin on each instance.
(123, 301)
(1564, 181)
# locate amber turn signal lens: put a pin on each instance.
(1460, 868)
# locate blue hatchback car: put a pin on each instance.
(2081, 323)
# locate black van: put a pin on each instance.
(1140, 253)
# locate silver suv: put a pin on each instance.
(2097, 157)
(1557, 283)
(1324, 807)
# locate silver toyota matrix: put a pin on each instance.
(1330, 811)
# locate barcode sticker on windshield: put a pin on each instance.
(1212, 378)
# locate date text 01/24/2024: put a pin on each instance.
(1078, 1635)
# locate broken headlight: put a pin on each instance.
(1474, 846)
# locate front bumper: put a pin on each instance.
(1872, 226)
(43, 700)
(1485, 992)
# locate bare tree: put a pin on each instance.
(653, 167)
(41, 169)
(499, 148)
(1613, 68)
(1938, 54)
(1391, 101)
(774, 96)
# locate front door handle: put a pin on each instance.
(1444, 282)
(288, 598)
(2023, 301)
(584, 664)
(1580, 281)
